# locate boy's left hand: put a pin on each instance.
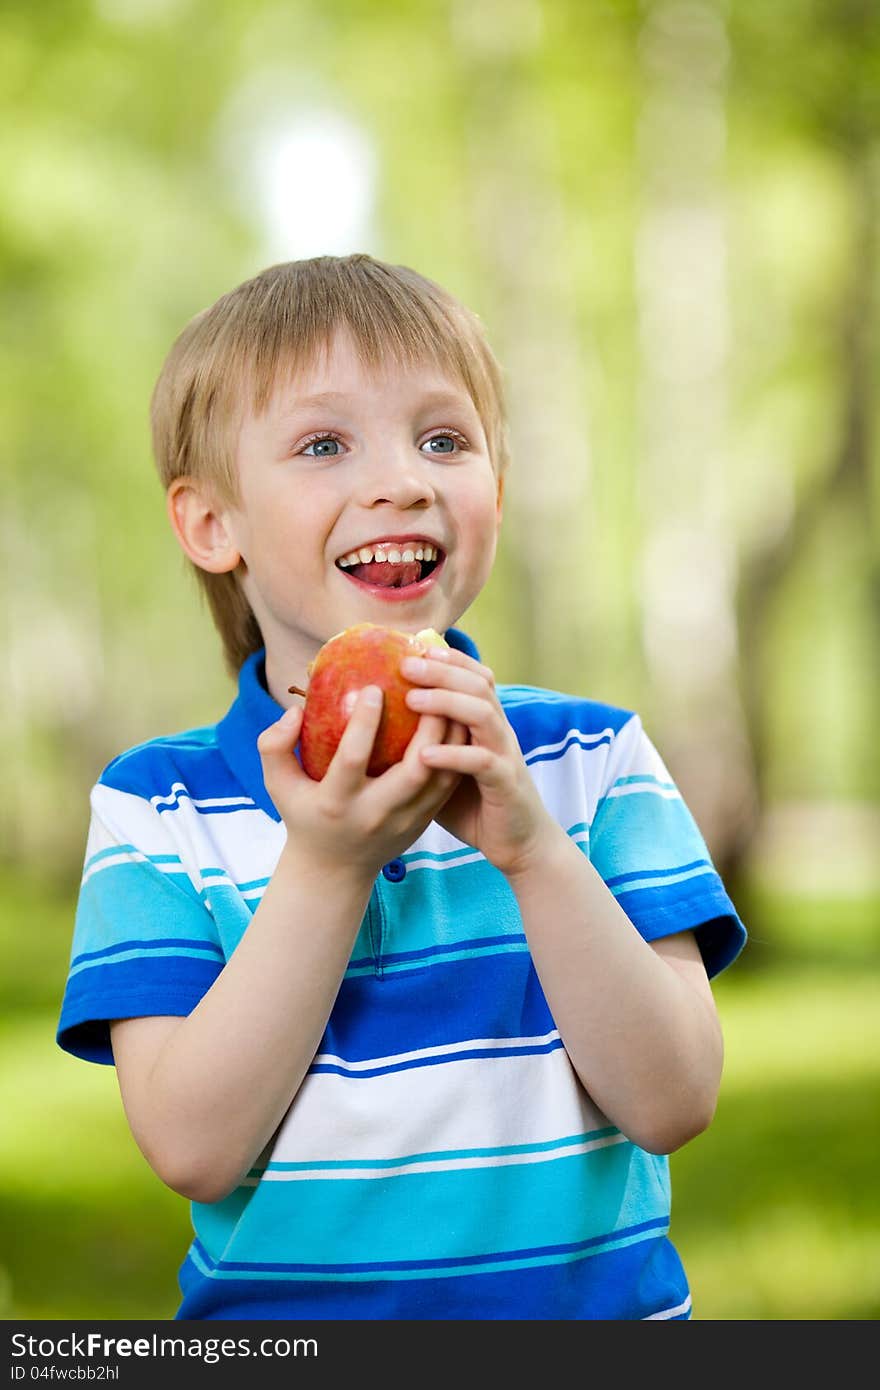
(496, 806)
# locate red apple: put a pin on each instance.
(366, 654)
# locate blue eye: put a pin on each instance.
(318, 446)
(443, 439)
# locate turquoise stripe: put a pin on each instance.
(420, 962)
(644, 831)
(115, 850)
(644, 779)
(217, 1220)
(419, 907)
(459, 1212)
(637, 884)
(444, 1155)
(133, 877)
(135, 901)
(246, 887)
(447, 855)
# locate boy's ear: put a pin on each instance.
(200, 527)
(499, 504)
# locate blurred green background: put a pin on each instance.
(666, 214)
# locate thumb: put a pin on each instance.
(280, 738)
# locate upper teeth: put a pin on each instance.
(388, 552)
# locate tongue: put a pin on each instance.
(388, 575)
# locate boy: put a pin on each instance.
(415, 1046)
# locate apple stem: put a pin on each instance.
(295, 690)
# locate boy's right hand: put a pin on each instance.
(347, 816)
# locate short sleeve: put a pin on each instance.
(143, 940)
(649, 850)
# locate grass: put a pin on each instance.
(776, 1208)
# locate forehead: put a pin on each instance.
(336, 374)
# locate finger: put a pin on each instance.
(276, 746)
(473, 679)
(348, 766)
(409, 777)
(451, 656)
(482, 717)
(431, 728)
(458, 733)
(471, 760)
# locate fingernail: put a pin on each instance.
(414, 666)
(372, 695)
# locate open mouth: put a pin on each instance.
(403, 570)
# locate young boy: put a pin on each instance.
(415, 1046)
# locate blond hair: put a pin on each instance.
(231, 356)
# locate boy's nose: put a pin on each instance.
(396, 478)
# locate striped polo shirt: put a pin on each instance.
(441, 1159)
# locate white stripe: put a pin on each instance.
(129, 856)
(671, 1312)
(470, 857)
(670, 793)
(581, 739)
(637, 884)
(464, 1106)
(178, 787)
(244, 840)
(442, 1050)
(191, 952)
(440, 1165)
(467, 857)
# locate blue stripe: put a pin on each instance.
(659, 873)
(496, 996)
(631, 831)
(575, 740)
(130, 988)
(470, 943)
(174, 802)
(161, 943)
(538, 1253)
(633, 1282)
(437, 1059)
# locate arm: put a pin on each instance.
(638, 1020)
(204, 1094)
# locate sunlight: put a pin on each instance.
(316, 179)
(303, 172)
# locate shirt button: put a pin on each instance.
(394, 870)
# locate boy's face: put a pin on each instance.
(345, 460)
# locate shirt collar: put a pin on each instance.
(255, 709)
